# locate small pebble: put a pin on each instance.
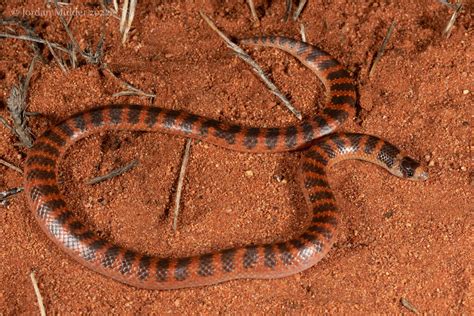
(280, 178)
(249, 173)
(463, 168)
(465, 91)
(431, 163)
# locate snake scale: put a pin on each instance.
(263, 261)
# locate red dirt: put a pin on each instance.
(399, 238)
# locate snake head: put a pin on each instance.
(412, 170)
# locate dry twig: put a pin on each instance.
(406, 303)
(27, 28)
(4, 195)
(38, 294)
(110, 11)
(457, 9)
(179, 187)
(88, 55)
(448, 4)
(299, 9)
(382, 48)
(131, 90)
(11, 166)
(255, 67)
(115, 5)
(34, 39)
(303, 32)
(252, 10)
(288, 4)
(128, 13)
(66, 27)
(113, 173)
(51, 46)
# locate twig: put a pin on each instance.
(10, 192)
(406, 303)
(112, 12)
(179, 187)
(123, 19)
(382, 48)
(4, 195)
(448, 4)
(128, 13)
(11, 166)
(303, 32)
(457, 9)
(28, 29)
(252, 10)
(5, 123)
(131, 90)
(95, 58)
(91, 58)
(72, 55)
(288, 4)
(66, 27)
(299, 9)
(115, 5)
(113, 173)
(16, 105)
(34, 39)
(70, 20)
(56, 57)
(39, 298)
(255, 67)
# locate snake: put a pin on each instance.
(321, 145)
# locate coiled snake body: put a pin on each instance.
(252, 261)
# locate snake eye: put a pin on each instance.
(408, 167)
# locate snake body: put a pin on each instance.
(272, 260)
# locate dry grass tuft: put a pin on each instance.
(16, 105)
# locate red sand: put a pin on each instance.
(399, 238)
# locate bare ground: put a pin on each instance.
(399, 239)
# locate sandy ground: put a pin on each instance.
(399, 239)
